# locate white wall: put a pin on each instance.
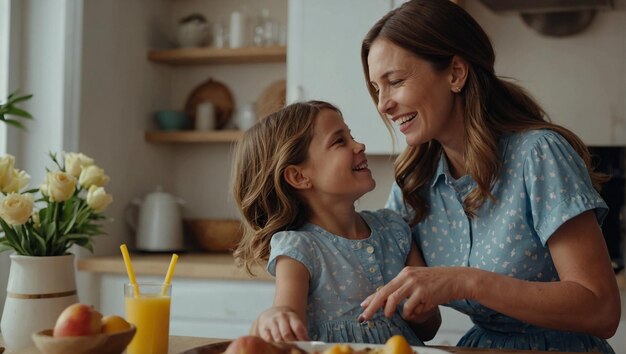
(42, 43)
(580, 80)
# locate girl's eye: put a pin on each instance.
(339, 141)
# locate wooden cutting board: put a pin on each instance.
(213, 348)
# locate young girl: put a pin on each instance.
(298, 173)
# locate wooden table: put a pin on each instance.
(178, 344)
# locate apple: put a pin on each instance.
(78, 320)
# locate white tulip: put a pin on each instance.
(76, 162)
(20, 180)
(98, 199)
(93, 175)
(60, 185)
(16, 208)
(6, 170)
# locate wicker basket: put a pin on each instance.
(214, 235)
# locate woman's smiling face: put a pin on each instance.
(413, 95)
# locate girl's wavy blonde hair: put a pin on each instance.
(436, 31)
(267, 203)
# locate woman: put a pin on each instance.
(501, 201)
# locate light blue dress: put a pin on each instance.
(344, 272)
(542, 184)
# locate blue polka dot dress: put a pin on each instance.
(344, 272)
(542, 184)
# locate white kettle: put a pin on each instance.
(159, 227)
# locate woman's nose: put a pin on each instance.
(384, 102)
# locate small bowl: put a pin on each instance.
(171, 119)
(215, 235)
(109, 343)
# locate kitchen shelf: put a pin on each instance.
(212, 55)
(187, 137)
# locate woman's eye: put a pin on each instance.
(395, 82)
(339, 141)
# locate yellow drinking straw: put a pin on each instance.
(170, 273)
(129, 268)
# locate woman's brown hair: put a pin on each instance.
(436, 31)
(267, 203)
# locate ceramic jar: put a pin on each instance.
(38, 290)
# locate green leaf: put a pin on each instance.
(13, 100)
(14, 123)
(19, 112)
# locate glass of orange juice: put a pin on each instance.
(150, 313)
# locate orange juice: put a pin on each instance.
(150, 313)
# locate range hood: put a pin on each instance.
(542, 6)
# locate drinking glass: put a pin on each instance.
(150, 313)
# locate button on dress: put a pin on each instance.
(344, 272)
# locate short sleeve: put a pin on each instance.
(558, 185)
(396, 203)
(295, 245)
(400, 229)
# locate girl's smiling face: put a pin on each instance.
(413, 95)
(337, 166)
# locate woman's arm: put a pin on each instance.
(586, 299)
(286, 319)
(425, 325)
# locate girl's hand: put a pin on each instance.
(424, 288)
(280, 324)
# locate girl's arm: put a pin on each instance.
(586, 299)
(286, 319)
(425, 325)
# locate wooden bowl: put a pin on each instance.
(215, 235)
(110, 343)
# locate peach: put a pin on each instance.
(78, 320)
(256, 345)
(114, 323)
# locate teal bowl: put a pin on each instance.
(172, 120)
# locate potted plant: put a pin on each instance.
(40, 225)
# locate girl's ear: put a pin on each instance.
(293, 175)
(458, 73)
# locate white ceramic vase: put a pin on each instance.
(38, 290)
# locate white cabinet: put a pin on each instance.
(324, 63)
(200, 308)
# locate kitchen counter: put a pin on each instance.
(178, 344)
(214, 266)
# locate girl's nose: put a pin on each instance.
(359, 147)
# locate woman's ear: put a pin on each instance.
(293, 175)
(458, 73)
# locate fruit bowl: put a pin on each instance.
(103, 343)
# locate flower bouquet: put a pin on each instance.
(68, 210)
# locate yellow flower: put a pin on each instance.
(76, 162)
(36, 219)
(16, 208)
(98, 199)
(93, 175)
(60, 185)
(6, 170)
(19, 180)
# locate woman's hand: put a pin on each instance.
(279, 324)
(424, 288)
